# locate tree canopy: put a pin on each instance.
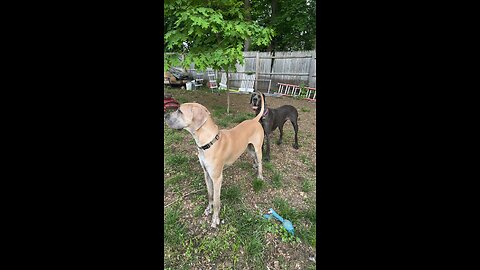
(209, 33)
(294, 22)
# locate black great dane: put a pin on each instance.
(273, 118)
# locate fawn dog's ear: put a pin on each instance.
(200, 115)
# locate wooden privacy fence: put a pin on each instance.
(298, 68)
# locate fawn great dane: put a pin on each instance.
(217, 148)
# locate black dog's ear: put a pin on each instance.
(264, 101)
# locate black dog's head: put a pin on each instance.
(256, 101)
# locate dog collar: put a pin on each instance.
(265, 113)
(206, 146)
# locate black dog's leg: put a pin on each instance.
(295, 127)
(266, 157)
(280, 128)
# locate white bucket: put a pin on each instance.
(189, 85)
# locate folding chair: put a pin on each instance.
(212, 79)
(197, 79)
(223, 81)
(247, 83)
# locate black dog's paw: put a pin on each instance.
(279, 142)
(295, 146)
(266, 158)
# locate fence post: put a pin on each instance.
(312, 70)
(257, 66)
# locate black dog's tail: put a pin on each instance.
(260, 114)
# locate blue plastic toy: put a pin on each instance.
(286, 223)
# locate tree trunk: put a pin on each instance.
(248, 18)
(228, 93)
(247, 45)
(271, 65)
(271, 47)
